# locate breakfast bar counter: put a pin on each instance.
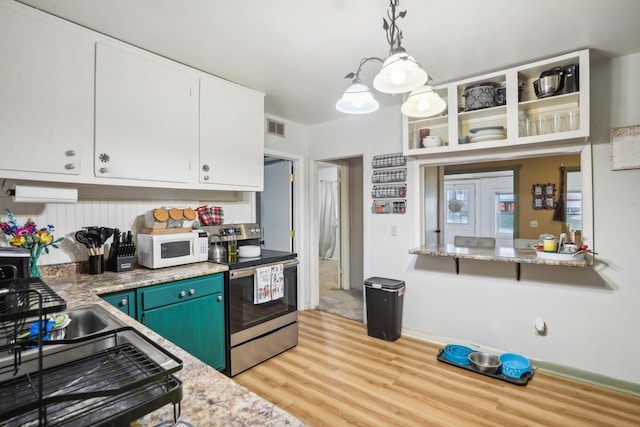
(510, 255)
(210, 398)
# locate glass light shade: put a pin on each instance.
(357, 99)
(400, 73)
(423, 102)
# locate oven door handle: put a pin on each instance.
(251, 271)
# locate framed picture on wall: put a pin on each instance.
(543, 196)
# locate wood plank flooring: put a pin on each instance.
(339, 376)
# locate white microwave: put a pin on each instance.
(167, 250)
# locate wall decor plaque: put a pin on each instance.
(625, 148)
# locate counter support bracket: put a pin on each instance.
(518, 271)
(457, 261)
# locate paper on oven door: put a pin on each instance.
(262, 285)
(277, 281)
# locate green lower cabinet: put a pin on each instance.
(189, 313)
(123, 301)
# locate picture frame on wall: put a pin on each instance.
(624, 146)
(543, 196)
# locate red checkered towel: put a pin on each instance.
(212, 215)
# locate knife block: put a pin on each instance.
(123, 263)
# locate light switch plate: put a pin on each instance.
(533, 224)
(394, 230)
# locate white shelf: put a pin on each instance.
(454, 126)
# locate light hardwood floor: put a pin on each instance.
(339, 376)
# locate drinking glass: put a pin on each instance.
(555, 120)
(573, 119)
(542, 125)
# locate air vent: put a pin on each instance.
(275, 128)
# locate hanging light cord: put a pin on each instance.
(394, 35)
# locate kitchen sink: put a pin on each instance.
(86, 321)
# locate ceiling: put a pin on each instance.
(297, 52)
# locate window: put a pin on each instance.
(458, 206)
(504, 213)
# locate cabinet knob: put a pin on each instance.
(206, 177)
(192, 291)
(205, 167)
(219, 298)
(123, 302)
(182, 294)
(69, 153)
(69, 166)
(104, 170)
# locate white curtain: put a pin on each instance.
(328, 218)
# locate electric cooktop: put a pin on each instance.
(266, 257)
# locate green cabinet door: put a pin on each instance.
(196, 325)
(123, 301)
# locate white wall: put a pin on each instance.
(590, 312)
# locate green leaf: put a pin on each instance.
(350, 75)
(385, 25)
(402, 14)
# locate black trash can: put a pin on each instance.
(384, 307)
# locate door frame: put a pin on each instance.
(300, 222)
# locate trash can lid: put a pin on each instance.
(381, 282)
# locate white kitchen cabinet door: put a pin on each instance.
(231, 135)
(145, 122)
(46, 93)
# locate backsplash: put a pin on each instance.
(122, 214)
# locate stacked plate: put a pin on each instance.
(489, 133)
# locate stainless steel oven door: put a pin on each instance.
(243, 313)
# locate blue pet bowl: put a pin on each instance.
(514, 365)
(457, 354)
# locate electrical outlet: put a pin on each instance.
(533, 224)
(394, 230)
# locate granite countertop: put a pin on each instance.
(210, 398)
(522, 256)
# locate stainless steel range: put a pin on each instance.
(261, 321)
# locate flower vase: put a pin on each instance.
(33, 261)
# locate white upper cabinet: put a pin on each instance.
(558, 121)
(231, 135)
(46, 94)
(144, 123)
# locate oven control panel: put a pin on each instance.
(246, 231)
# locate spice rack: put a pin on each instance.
(389, 179)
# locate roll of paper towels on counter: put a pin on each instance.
(29, 194)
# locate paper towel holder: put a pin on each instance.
(32, 194)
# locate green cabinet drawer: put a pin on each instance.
(123, 301)
(180, 291)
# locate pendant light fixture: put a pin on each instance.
(400, 72)
(423, 102)
(358, 99)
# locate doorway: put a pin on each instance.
(275, 213)
(340, 236)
